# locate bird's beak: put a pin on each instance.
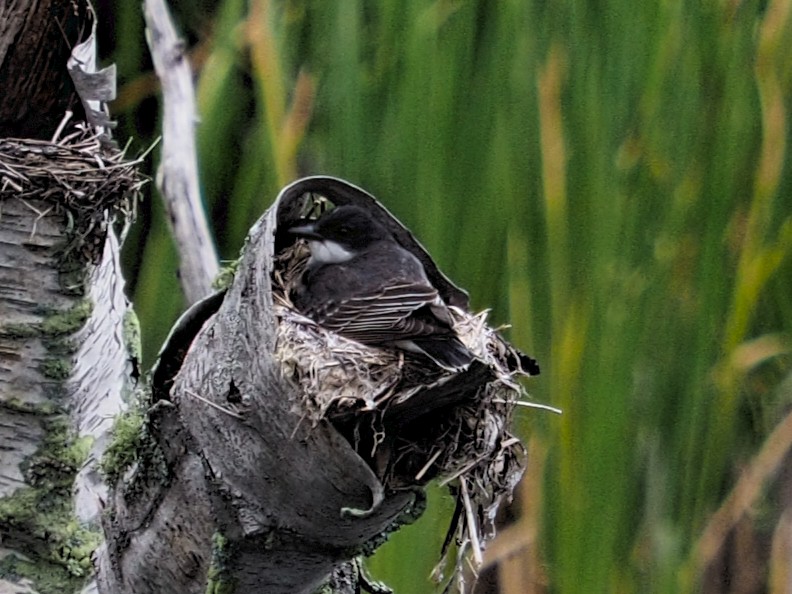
(307, 231)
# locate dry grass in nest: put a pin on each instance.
(81, 174)
(384, 402)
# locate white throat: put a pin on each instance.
(328, 252)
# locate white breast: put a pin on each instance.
(328, 252)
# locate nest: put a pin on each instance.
(79, 173)
(412, 422)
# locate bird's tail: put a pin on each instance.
(447, 352)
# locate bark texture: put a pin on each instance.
(65, 361)
(29, 285)
(36, 40)
(65, 371)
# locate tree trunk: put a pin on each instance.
(65, 353)
(36, 41)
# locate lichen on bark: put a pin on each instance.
(39, 517)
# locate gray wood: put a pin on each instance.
(177, 177)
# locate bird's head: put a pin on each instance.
(340, 233)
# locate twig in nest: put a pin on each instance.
(67, 116)
(428, 465)
(547, 407)
(213, 404)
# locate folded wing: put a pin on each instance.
(391, 313)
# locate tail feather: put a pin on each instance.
(447, 352)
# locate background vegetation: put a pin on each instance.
(612, 178)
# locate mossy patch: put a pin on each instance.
(60, 323)
(132, 342)
(58, 369)
(226, 275)
(18, 405)
(39, 518)
(55, 330)
(55, 323)
(218, 580)
(131, 329)
(19, 331)
(124, 450)
(48, 578)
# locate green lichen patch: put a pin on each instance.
(56, 331)
(19, 331)
(62, 551)
(57, 469)
(58, 369)
(72, 272)
(218, 580)
(125, 448)
(18, 405)
(39, 518)
(47, 577)
(56, 462)
(131, 333)
(60, 323)
(226, 275)
(55, 324)
(61, 345)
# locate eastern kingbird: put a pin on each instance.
(360, 283)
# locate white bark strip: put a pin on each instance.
(100, 381)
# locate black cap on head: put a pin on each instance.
(350, 226)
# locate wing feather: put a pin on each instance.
(378, 316)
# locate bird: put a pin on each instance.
(359, 282)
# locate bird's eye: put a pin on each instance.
(345, 229)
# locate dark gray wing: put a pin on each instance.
(391, 313)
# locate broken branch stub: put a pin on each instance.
(303, 448)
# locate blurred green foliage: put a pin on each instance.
(612, 178)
